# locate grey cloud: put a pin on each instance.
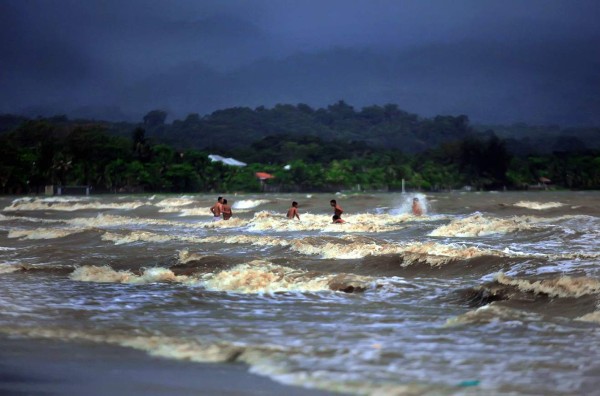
(533, 61)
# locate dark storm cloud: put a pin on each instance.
(497, 61)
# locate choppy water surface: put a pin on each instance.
(487, 293)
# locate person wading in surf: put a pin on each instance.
(226, 209)
(217, 209)
(293, 211)
(337, 211)
(417, 210)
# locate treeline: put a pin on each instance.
(42, 152)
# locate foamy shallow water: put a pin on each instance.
(387, 303)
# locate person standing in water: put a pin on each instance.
(226, 209)
(293, 211)
(417, 210)
(337, 211)
(217, 209)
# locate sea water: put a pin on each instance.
(486, 293)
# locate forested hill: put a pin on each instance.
(378, 127)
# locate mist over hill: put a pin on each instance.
(469, 78)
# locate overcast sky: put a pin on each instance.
(496, 61)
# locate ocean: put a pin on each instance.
(491, 293)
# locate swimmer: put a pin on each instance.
(293, 211)
(417, 210)
(337, 210)
(217, 209)
(227, 213)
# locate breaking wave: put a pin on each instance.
(346, 247)
(593, 317)
(203, 211)
(564, 286)
(538, 205)
(267, 221)
(43, 233)
(249, 203)
(90, 273)
(7, 268)
(170, 202)
(264, 277)
(163, 346)
(78, 225)
(67, 205)
(250, 278)
(479, 225)
(491, 313)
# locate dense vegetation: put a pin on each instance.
(305, 149)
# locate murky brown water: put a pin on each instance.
(487, 293)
